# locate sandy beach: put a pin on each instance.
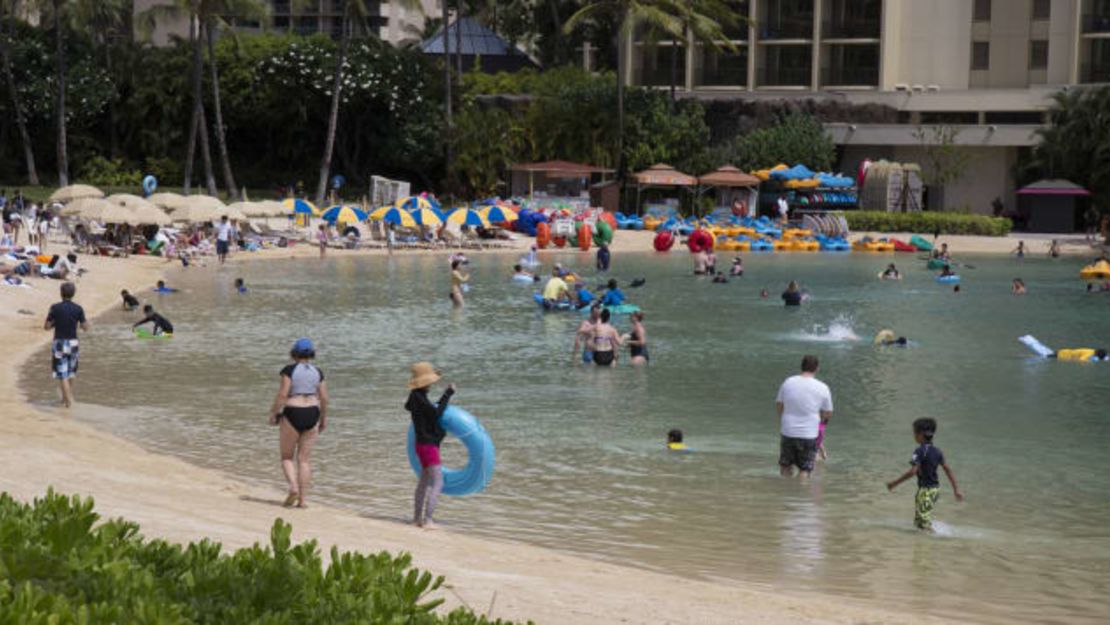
(169, 498)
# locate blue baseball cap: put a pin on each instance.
(304, 346)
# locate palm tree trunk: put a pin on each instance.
(113, 140)
(333, 116)
(206, 152)
(557, 32)
(620, 94)
(17, 107)
(221, 138)
(674, 70)
(447, 95)
(458, 40)
(194, 118)
(198, 106)
(60, 113)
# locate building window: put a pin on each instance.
(1042, 9)
(982, 11)
(1038, 54)
(980, 55)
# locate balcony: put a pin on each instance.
(1096, 24)
(1089, 73)
(852, 29)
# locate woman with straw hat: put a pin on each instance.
(300, 410)
(429, 434)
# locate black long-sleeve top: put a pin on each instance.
(425, 415)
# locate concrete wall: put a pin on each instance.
(933, 44)
(987, 175)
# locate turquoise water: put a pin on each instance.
(580, 460)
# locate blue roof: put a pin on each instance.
(476, 40)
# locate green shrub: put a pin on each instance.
(928, 223)
(59, 567)
(102, 172)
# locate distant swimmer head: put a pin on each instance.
(924, 429)
(884, 337)
(148, 309)
(956, 289)
(605, 315)
(674, 440)
(1100, 354)
(595, 313)
(239, 282)
(303, 349)
(517, 268)
(763, 293)
(161, 284)
(638, 316)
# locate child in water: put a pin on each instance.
(613, 296)
(737, 269)
(159, 324)
(924, 462)
(429, 434)
(1019, 287)
(129, 300)
(162, 288)
(674, 441)
(240, 286)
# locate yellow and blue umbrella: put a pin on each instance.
(394, 215)
(427, 216)
(497, 214)
(416, 202)
(468, 217)
(301, 207)
(345, 214)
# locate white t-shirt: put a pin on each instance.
(803, 398)
(784, 208)
(223, 231)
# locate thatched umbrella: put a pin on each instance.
(206, 201)
(245, 210)
(232, 212)
(116, 214)
(75, 192)
(128, 201)
(77, 207)
(195, 214)
(94, 211)
(168, 201)
(276, 209)
(150, 216)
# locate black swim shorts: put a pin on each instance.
(797, 452)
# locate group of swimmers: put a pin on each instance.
(598, 342)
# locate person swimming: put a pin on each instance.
(946, 271)
(887, 338)
(162, 288)
(763, 294)
(737, 268)
(582, 295)
(720, 279)
(891, 273)
(130, 302)
(240, 286)
(674, 441)
(160, 325)
(1018, 287)
(520, 275)
(792, 296)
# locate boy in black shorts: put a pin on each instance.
(924, 462)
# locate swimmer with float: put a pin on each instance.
(613, 295)
(582, 295)
(556, 290)
(674, 441)
(887, 338)
(890, 273)
(160, 326)
(429, 435)
(1075, 354)
(162, 288)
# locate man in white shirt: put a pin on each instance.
(223, 238)
(804, 404)
(784, 209)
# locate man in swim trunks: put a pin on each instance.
(803, 404)
(64, 318)
(584, 333)
(160, 324)
(223, 238)
(556, 290)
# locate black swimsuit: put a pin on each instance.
(302, 418)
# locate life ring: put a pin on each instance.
(150, 183)
(560, 241)
(607, 218)
(480, 453)
(700, 241)
(664, 241)
(543, 235)
(585, 237)
(604, 233)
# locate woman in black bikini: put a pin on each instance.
(300, 411)
(637, 340)
(605, 340)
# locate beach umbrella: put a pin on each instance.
(149, 216)
(379, 213)
(129, 201)
(75, 192)
(117, 214)
(168, 201)
(79, 206)
(92, 208)
(467, 217)
(414, 202)
(194, 214)
(250, 210)
(232, 212)
(394, 215)
(497, 214)
(345, 214)
(205, 201)
(427, 217)
(301, 207)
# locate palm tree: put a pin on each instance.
(59, 8)
(7, 17)
(106, 19)
(668, 16)
(352, 9)
(448, 121)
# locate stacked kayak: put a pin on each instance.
(921, 244)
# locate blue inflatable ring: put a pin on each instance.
(474, 477)
(150, 183)
(953, 279)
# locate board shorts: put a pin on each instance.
(428, 454)
(587, 356)
(221, 247)
(797, 452)
(63, 358)
(924, 502)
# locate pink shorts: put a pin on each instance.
(428, 454)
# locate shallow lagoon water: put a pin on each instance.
(580, 460)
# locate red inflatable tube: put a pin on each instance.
(700, 241)
(664, 241)
(543, 235)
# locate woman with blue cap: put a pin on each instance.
(300, 411)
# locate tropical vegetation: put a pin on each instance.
(943, 222)
(61, 564)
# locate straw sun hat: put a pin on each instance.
(423, 374)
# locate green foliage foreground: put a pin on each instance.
(928, 223)
(58, 566)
